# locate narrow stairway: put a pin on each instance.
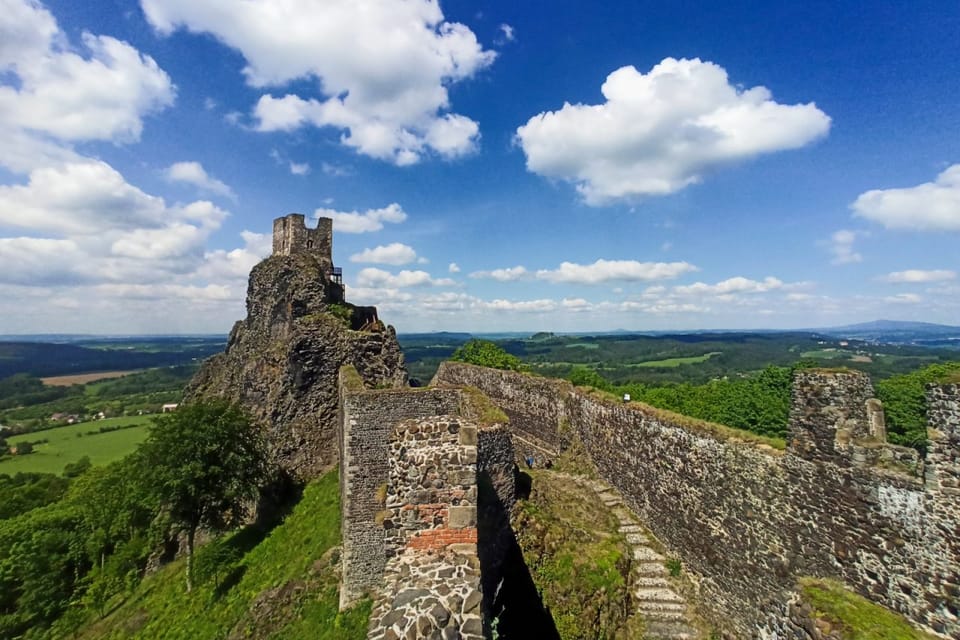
(665, 613)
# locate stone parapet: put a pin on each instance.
(747, 520)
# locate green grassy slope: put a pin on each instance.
(65, 446)
(854, 616)
(283, 587)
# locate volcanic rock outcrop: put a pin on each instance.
(281, 363)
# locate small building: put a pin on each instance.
(169, 408)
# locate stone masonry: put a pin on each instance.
(748, 520)
(410, 496)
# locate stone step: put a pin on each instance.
(650, 569)
(669, 631)
(637, 538)
(654, 594)
(630, 528)
(664, 616)
(646, 554)
(652, 583)
(646, 608)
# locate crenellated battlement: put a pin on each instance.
(292, 236)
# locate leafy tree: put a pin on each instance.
(486, 354)
(27, 491)
(204, 463)
(586, 377)
(905, 405)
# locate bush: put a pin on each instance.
(487, 354)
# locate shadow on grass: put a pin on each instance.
(512, 602)
(229, 581)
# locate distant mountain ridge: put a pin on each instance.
(896, 325)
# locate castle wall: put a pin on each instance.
(747, 520)
(417, 528)
(367, 419)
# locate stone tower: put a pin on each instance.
(291, 236)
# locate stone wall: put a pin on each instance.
(431, 494)
(367, 419)
(747, 520)
(417, 529)
(291, 236)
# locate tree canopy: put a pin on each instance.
(487, 354)
(204, 463)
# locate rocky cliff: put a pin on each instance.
(282, 361)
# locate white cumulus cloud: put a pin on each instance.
(382, 68)
(738, 284)
(931, 206)
(453, 268)
(919, 276)
(194, 173)
(52, 95)
(503, 275)
(841, 246)
(373, 278)
(362, 222)
(394, 253)
(607, 270)
(658, 132)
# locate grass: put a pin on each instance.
(855, 616)
(675, 362)
(478, 407)
(577, 559)
(84, 378)
(64, 447)
(283, 587)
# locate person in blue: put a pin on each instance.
(529, 461)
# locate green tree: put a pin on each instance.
(204, 463)
(486, 354)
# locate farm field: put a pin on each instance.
(84, 378)
(63, 445)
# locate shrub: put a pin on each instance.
(486, 354)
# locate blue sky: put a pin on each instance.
(560, 166)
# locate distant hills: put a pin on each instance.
(898, 332)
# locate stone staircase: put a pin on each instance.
(665, 613)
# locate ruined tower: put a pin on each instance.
(292, 236)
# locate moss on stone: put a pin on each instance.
(351, 378)
(854, 616)
(478, 407)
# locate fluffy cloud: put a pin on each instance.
(919, 276)
(503, 275)
(48, 91)
(607, 270)
(236, 263)
(394, 253)
(658, 132)
(931, 206)
(522, 306)
(453, 268)
(841, 246)
(730, 286)
(372, 277)
(382, 67)
(357, 222)
(92, 197)
(194, 173)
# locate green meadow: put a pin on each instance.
(68, 444)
